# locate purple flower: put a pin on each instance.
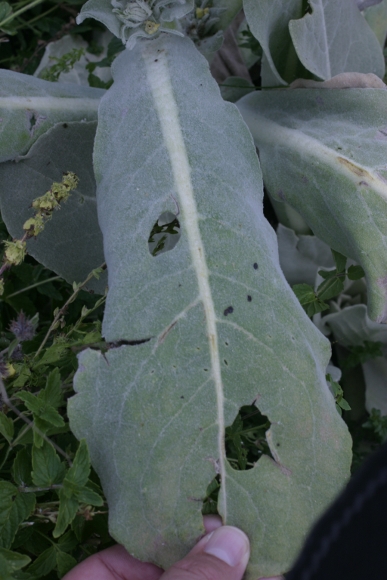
(23, 327)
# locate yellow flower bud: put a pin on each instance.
(15, 252)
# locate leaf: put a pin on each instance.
(154, 413)
(78, 473)
(355, 272)
(14, 560)
(301, 256)
(71, 243)
(47, 468)
(21, 468)
(44, 563)
(68, 508)
(269, 22)
(7, 492)
(5, 11)
(332, 285)
(30, 106)
(334, 39)
(340, 261)
(328, 147)
(22, 506)
(89, 497)
(65, 562)
(41, 409)
(376, 17)
(6, 427)
(309, 299)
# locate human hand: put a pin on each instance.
(222, 554)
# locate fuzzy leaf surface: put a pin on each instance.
(329, 147)
(223, 327)
(71, 242)
(30, 106)
(335, 38)
(269, 22)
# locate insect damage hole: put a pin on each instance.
(165, 234)
(245, 439)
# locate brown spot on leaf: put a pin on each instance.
(359, 171)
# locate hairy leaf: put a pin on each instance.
(214, 326)
(335, 38)
(30, 106)
(71, 242)
(325, 153)
(269, 22)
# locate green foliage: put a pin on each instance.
(337, 391)
(52, 511)
(378, 424)
(115, 46)
(359, 354)
(245, 438)
(333, 285)
(63, 64)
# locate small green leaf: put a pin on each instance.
(311, 303)
(44, 563)
(6, 427)
(46, 465)
(52, 416)
(5, 11)
(332, 286)
(21, 468)
(89, 497)
(31, 402)
(14, 560)
(67, 511)
(377, 423)
(78, 473)
(340, 261)
(53, 395)
(53, 354)
(7, 491)
(65, 562)
(22, 507)
(355, 272)
(360, 354)
(344, 405)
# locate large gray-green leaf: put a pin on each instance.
(335, 38)
(325, 153)
(269, 22)
(223, 327)
(302, 256)
(376, 17)
(71, 243)
(30, 106)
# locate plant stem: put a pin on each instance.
(34, 286)
(63, 309)
(20, 11)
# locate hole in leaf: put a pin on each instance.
(245, 439)
(33, 119)
(165, 234)
(245, 442)
(210, 502)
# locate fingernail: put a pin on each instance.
(230, 545)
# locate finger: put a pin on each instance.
(221, 555)
(211, 523)
(113, 563)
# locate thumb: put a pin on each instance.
(221, 555)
